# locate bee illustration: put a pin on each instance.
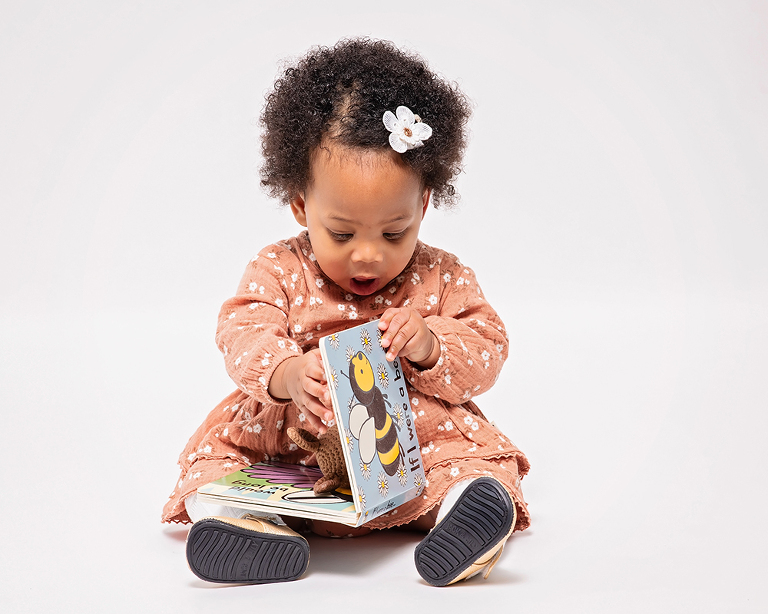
(369, 420)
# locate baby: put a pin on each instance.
(358, 139)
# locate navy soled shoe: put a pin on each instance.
(469, 536)
(248, 550)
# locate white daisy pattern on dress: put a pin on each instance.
(418, 482)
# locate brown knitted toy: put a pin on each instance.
(330, 458)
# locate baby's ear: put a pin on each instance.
(298, 208)
(425, 201)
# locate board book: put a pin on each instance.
(375, 423)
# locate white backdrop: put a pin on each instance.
(614, 209)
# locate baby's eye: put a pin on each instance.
(341, 237)
(394, 236)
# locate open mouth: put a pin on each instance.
(364, 285)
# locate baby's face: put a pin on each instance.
(363, 212)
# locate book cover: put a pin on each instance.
(280, 488)
(373, 411)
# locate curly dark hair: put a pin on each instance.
(341, 93)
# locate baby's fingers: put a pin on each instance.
(310, 414)
(315, 372)
(391, 322)
(399, 334)
(386, 317)
(321, 396)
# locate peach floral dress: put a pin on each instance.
(285, 303)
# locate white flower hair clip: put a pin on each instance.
(407, 131)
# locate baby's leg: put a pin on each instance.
(475, 519)
(423, 523)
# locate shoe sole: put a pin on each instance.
(482, 516)
(221, 552)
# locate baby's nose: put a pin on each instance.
(366, 251)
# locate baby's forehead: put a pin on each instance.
(331, 153)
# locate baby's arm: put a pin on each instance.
(471, 340)
(260, 355)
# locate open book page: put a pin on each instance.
(375, 420)
(279, 488)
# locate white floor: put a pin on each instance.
(644, 423)
(613, 208)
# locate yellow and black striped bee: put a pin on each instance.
(369, 420)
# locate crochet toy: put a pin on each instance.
(330, 458)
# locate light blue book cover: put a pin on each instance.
(375, 419)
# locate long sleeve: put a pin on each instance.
(473, 340)
(253, 329)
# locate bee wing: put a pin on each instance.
(357, 416)
(367, 445)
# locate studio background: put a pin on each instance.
(614, 207)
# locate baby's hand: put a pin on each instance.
(408, 335)
(302, 379)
